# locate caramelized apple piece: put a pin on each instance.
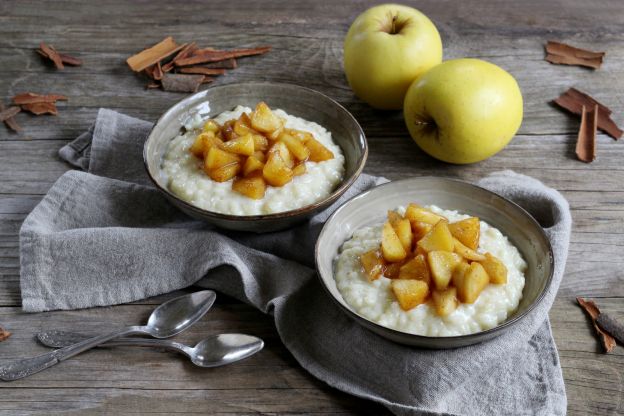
(466, 252)
(392, 270)
(391, 246)
(417, 269)
(225, 173)
(228, 130)
(403, 230)
(242, 126)
(216, 158)
(394, 217)
(318, 152)
(261, 143)
(274, 135)
(409, 293)
(420, 229)
(304, 136)
(467, 231)
(495, 268)
(472, 283)
(296, 147)
(299, 169)
(260, 156)
(252, 186)
(263, 119)
(211, 126)
(251, 165)
(242, 145)
(275, 171)
(416, 213)
(442, 264)
(373, 264)
(438, 239)
(203, 142)
(459, 273)
(445, 301)
(282, 149)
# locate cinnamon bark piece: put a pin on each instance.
(153, 54)
(185, 52)
(32, 98)
(157, 72)
(560, 53)
(611, 326)
(203, 56)
(8, 112)
(10, 121)
(586, 142)
(573, 100)
(226, 64)
(41, 108)
(52, 54)
(201, 70)
(4, 334)
(70, 60)
(181, 82)
(608, 342)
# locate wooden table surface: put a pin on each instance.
(307, 49)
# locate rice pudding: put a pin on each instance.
(187, 179)
(374, 299)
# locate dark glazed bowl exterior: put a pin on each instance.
(371, 207)
(295, 100)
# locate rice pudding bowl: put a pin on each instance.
(188, 181)
(375, 301)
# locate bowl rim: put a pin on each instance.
(423, 338)
(331, 198)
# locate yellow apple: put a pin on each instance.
(463, 110)
(387, 48)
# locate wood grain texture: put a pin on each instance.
(307, 49)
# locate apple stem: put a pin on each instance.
(393, 29)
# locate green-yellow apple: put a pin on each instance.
(386, 49)
(463, 110)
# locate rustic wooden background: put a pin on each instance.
(307, 41)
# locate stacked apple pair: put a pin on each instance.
(428, 257)
(256, 150)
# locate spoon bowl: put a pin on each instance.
(224, 349)
(178, 314)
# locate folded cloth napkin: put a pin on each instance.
(106, 236)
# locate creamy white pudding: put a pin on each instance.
(187, 179)
(376, 302)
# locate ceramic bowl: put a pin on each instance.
(370, 208)
(295, 100)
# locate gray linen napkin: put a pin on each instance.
(107, 237)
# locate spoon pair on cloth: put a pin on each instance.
(167, 320)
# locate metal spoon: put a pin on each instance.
(214, 351)
(167, 320)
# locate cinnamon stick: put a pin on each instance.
(41, 108)
(226, 64)
(201, 70)
(573, 100)
(32, 98)
(157, 73)
(52, 54)
(70, 60)
(203, 56)
(10, 121)
(4, 334)
(586, 142)
(8, 112)
(611, 326)
(608, 342)
(560, 53)
(181, 82)
(153, 54)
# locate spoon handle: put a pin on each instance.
(60, 339)
(29, 366)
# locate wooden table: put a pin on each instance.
(307, 40)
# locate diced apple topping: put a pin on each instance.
(495, 268)
(423, 254)
(410, 293)
(373, 264)
(391, 246)
(467, 231)
(257, 150)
